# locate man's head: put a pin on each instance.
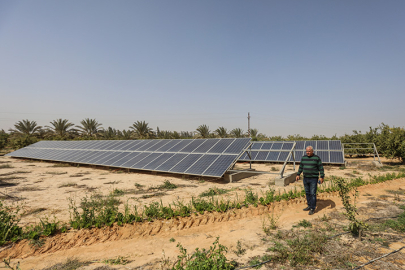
(310, 151)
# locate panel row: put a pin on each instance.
(214, 165)
(214, 146)
(300, 145)
(281, 156)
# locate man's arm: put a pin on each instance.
(299, 171)
(321, 170)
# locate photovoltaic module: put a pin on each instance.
(204, 157)
(277, 151)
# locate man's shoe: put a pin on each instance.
(307, 209)
(311, 212)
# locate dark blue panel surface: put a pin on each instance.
(171, 162)
(122, 145)
(147, 145)
(273, 156)
(256, 146)
(94, 157)
(127, 159)
(310, 143)
(130, 145)
(283, 156)
(287, 146)
(137, 145)
(277, 145)
(221, 146)
(253, 154)
(118, 157)
(322, 145)
(167, 146)
(261, 156)
(183, 165)
(267, 146)
(192, 146)
(244, 157)
(336, 157)
(135, 160)
(158, 161)
(299, 155)
(238, 146)
(202, 164)
(106, 157)
(300, 145)
(161, 155)
(146, 160)
(158, 145)
(179, 146)
(112, 145)
(219, 167)
(206, 146)
(324, 155)
(335, 145)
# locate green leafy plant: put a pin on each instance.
(213, 258)
(304, 223)
(213, 191)
(345, 188)
(239, 249)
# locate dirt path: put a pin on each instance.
(146, 244)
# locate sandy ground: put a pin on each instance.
(44, 190)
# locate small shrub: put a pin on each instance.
(239, 250)
(118, 192)
(304, 223)
(213, 191)
(119, 260)
(214, 258)
(168, 185)
(6, 166)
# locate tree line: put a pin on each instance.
(390, 141)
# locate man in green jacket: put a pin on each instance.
(312, 167)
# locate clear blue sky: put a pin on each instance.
(298, 67)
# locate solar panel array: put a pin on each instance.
(204, 157)
(277, 151)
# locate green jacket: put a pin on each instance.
(311, 166)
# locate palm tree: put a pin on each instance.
(237, 133)
(109, 133)
(203, 131)
(61, 127)
(142, 129)
(254, 132)
(125, 134)
(26, 127)
(221, 132)
(89, 127)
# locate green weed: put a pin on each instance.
(239, 249)
(117, 261)
(304, 223)
(213, 258)
(213, 191)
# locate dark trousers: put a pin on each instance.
(311, 185)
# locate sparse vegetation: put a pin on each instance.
(213, 191)
(117, 261)
(6, 166)
(56, 173)
(213, 258)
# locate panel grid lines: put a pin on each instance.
(277, 151)
(205, 157)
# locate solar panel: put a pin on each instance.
(277, 151)
(205, 157)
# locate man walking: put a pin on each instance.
(311, 165)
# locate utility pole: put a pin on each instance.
(248, 124)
